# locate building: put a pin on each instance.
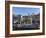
(29, 19)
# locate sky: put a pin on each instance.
(25, 10)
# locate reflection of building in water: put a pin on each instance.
(29, 19)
